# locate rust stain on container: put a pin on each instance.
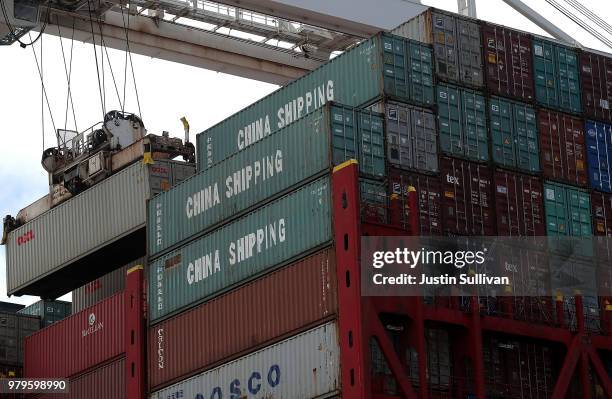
(562, 147)
(257, 313)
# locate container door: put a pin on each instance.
(470, 52)
(399, 136)
(521, 65)
(580, 212)
(445, 46)
(569, 81)
(371, 144)
(426, 146)
(475, 125)
(502, 140)
(449, 120)
(395, 66)
(373, 196)
(601, 205)
(555, 204)
(545, 75)
(596, 85)
(599, 155)
(527, 149)
(496, 59)
(421, 73)
(344, 130)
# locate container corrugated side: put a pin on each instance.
(412, 141)
(518, 204)
(557, 83)
(462, 122)
(601, 204)
(563, 147)
(238, 251)
(104, 382)
(101, 215)
(428, 192)
(103, 287)
(568, 210)
(508, 62)
(596, 85)
(306, 365)
(13, 330)
(514, 135)
(456, 41)
(269, 167)
(467, 198)
(599, 155)
(382, 65)
(299, 295)
(79, 342)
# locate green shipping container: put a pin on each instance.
(462, 122)
(258, 242)
(514, 135)
(269, 167)
(384, 65)
(568, 210)
(557, 81)
(48, 311)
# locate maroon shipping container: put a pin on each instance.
(509, 66)
(596, 85)
(104, 382)
(467, 202)
(266, 309)
(562, 147)
(518, 204)
(601, 205)
(79, 342)
(428, 191)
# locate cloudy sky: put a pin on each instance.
(167, 91)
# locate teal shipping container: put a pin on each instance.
(384, 65)
(288, 158)
(568, 210)
(462, 122)
(48, 311)
(557, 81)
(258, 242)
(514, 135)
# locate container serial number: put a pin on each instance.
(33, 385)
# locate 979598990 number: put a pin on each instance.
(33, 385)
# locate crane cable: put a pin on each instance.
(42, 82)
(580, 22)
(590, 15)
(68, 72)
(93, 41)
(110, 66)
(129, 55)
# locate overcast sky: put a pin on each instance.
(167, 91)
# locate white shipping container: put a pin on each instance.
(304, 366)
(94, 219)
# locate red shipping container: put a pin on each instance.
(79, 342)
(467, 202)
(562, 147)
(601, 205)
(518, 204)
(264, 310)
(596, 85)
(428, 192)
(104, 382)
(509, 66)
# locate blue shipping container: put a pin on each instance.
(599, 155)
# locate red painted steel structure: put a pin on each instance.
(359, 321)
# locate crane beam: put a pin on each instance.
(191, 46)
(540, 21)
